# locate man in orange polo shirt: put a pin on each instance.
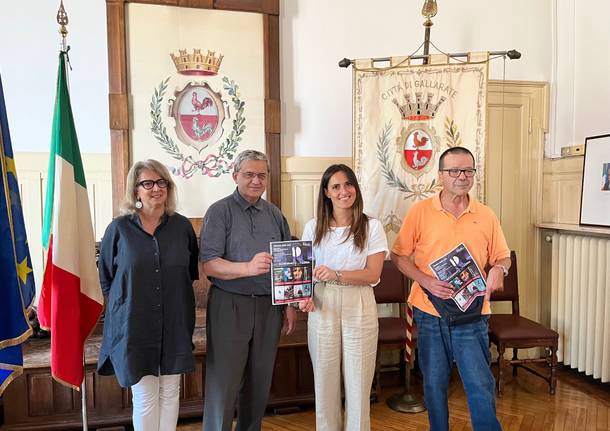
(432, 228)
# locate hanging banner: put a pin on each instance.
(405, 116)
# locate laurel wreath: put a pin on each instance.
(157, 127)
(213, 165)
(452, 134)
(416, 190)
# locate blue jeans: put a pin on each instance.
(439, 346)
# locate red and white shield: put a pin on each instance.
(418, 149)
(199, 114)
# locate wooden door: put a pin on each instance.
(517, 121)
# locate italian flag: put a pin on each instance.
(71, 299)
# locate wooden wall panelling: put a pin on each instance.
(300, 182)
(204, 4)
(32, 187)
(32, 178)
(118, 84)
(157, 2)
(261, 6)
(268, 7)
(271, 37)
(91, 395)
(110, 398)
(274, 182)
(117, 98)
(293, 377)
(192, 386)
(63, 398)
(562, 184)
(41, 396)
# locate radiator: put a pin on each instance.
(580, 307)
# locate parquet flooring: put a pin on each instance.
(580, 404)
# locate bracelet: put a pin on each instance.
(504, 269)
(338, 274)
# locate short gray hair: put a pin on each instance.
(131, 187)
(249, 155)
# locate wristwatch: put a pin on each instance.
(338, 274)
(504, 269)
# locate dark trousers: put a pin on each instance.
(242, 338)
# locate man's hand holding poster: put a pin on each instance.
(459, 269)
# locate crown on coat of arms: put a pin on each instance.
(197, 63)
(418, 109)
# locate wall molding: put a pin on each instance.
(32, 168)
(300, 182)
(562, 185)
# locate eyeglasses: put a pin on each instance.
(455, 173)
(250, 175)
(149, 184)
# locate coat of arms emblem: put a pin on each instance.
(199, 110)
(417, 142)
(199, 113)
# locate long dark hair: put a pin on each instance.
(324, 213)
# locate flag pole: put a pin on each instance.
(62, 20)
(428, 11)
(83, 391)
(407, 401)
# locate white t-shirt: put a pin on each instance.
(338, 254)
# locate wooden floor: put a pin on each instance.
(580, 404)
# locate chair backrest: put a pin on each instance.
(511, 286)
(392, 287)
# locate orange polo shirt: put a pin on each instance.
(429, 232)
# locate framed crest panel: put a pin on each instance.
(193, 83)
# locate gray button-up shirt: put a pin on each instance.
(236, 230)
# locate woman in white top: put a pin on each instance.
(349, 250)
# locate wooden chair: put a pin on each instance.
(393, 289)
(512, 331)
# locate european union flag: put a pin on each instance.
(16, 279)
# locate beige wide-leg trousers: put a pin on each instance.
(342, 336)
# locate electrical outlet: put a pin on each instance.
(574, 150)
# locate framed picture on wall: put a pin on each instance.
(595, 198)
(192, 84)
